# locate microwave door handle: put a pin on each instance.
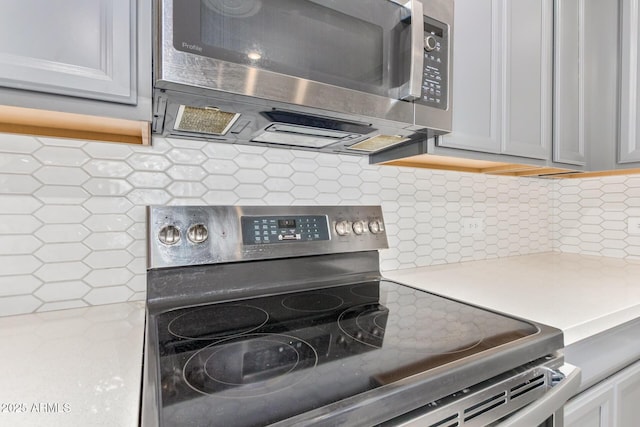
(413, 88)
(541, 409)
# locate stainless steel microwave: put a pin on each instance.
(357, 76)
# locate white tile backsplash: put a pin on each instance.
(72, 217)
(590, 216)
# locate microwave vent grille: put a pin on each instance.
(207, 120)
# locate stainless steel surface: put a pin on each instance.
(224, 241)
(544, 388)
(550, 403)
(413, 89)
(203, 267)
(189, 79)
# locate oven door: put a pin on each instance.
(355, 57)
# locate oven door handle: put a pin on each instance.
(537, 412)
(413, 88)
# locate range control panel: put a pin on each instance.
(196, 235)
(283, 229)
(435, 77)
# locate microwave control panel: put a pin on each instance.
(435, 76)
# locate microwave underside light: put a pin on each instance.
(378, 143)
(207, 120)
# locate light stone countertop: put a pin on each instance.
(580, 294)
(83, 366)
(78, 367)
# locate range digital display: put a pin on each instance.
(284, 223)
(284, 229)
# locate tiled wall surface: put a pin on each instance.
(72, 229)
(590, 216)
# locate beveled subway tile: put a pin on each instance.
(250, 161)
(61, 214)
(10, 143)
(57, 175)
(107, 205)
(61, 252)
(61, 305)
(18, 224)
(186, 173)
(149, 179)
(61, 291)
(220, 167)
(144, 196)
(18, 204)
(102, 168)
(18, 285)
(108, 277)
(107, 187)
(18, 163)
(18, 184)
(138, 283)
(187, 189)
(147, 161)
(18, 244)
(186, 156)
(108, 295)
(108, 240)
(108, 259)
(60, 233)
(62, 271)
(15, 265)
(61, 156)
(18, 305)
(108, 222)
(101, 150)
(61, 195)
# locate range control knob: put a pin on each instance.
(375, 226)
(358, 227)
(169, 235)
(343, 228)
(198, 233)
(430, 43)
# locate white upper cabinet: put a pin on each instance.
(502, 77)
(569, 80)
(78, 56)
(476, 72)
(82, 48)
(527, 77)
(629, 147)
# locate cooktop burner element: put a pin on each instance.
(209, 323)
(282, 319)
(314, 302)
(251, 365)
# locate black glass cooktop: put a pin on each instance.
(258, 361)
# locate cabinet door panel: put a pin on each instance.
(593, 408)
(630, 89)
(628, 397)
(527, 85)
(569, 138)
(476, 69)
(83, 48)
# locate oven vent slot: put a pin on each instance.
(453, 420)
(527, 386)
(485, 406)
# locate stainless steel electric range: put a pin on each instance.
(279, 316)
